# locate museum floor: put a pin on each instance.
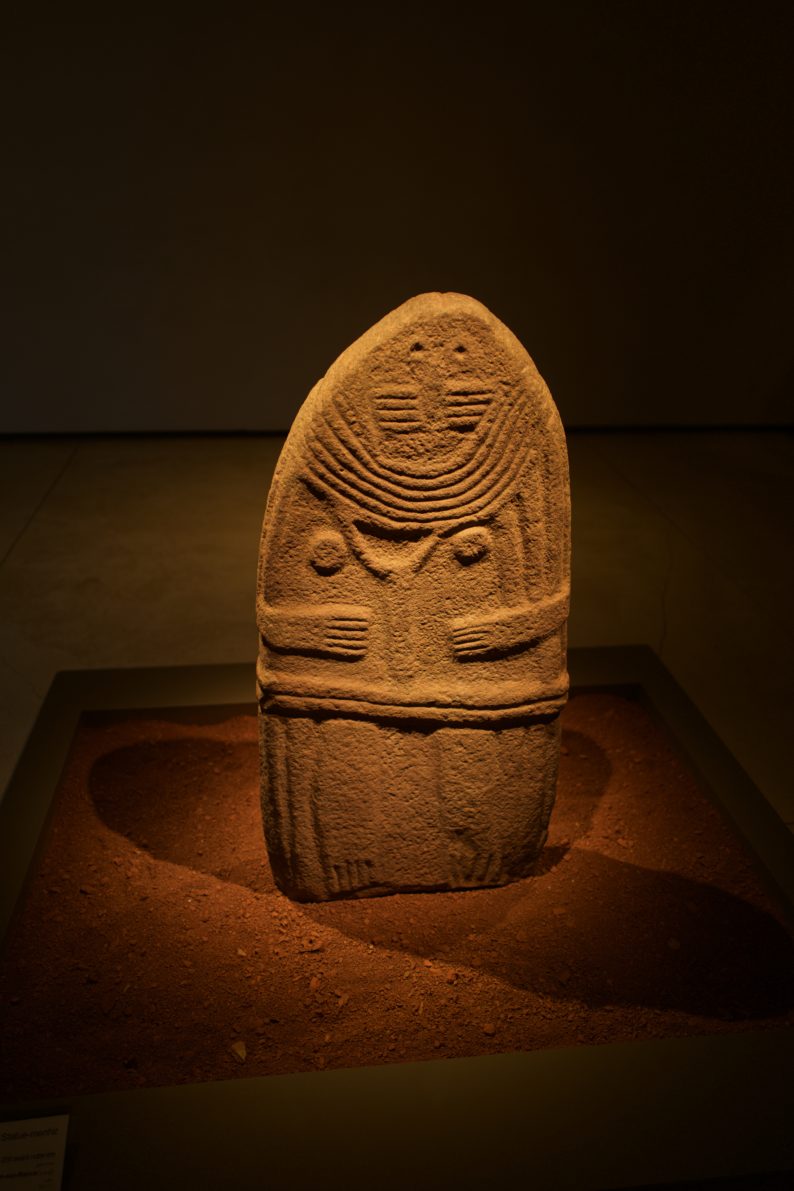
(141, 551)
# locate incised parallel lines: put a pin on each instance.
(504, 440)
(404, 472)
(487, 488)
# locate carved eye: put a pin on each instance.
(328, 552)
(470, 545)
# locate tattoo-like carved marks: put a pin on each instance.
(465, 407)
(398, 412)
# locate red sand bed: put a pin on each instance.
(153, 947)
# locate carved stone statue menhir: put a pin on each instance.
(412, 604)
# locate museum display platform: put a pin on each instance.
(621, 1018)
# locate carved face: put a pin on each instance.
(428, 429)
(433, 396)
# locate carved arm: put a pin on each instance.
(331, 630)
(481, 636)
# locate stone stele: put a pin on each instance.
(412, 602)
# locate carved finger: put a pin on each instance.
(345, 648)
(468, 635)
(469, 650)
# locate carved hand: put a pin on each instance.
(332, 630)
(511, 628)
(472, 638)
(345, 634)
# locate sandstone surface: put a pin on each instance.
(412, 601)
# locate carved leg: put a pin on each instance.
(497, 789)
(356, 808)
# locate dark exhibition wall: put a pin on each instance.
(201, 213)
